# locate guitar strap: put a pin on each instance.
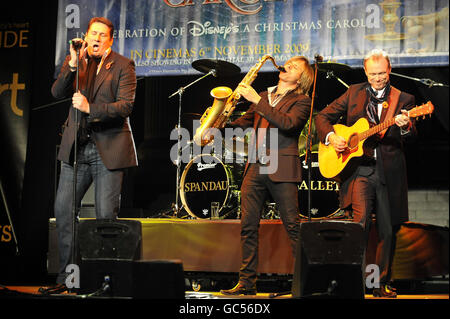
(392, 100)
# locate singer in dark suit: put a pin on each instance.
(107, 85)
(277, 115)
(378, 184)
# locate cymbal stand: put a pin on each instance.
(176, 207)
(330, 74)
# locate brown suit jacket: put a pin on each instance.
(391, 162)
(112, 103)
(289, 116)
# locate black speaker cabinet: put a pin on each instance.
(156, 279)
(329, 261)
(109, 253)
(106, 239)
(106, 277)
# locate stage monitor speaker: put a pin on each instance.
(329, 261)
(106, 278)
(106, 239)
(157, 279)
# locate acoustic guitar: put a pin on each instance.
(332, 163)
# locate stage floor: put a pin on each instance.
(32, 292)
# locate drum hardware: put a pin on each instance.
(237, 145)
(207, 180)
(270, 211)
(302, 139)
(233, 209)
(210, 67)
(220, 68)
(330, 74)
(331, 67)
(324, 196)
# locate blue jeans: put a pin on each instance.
(108, 186)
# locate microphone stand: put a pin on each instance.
(176, 207)
(75, 161)
(428, 82)
(309, 137)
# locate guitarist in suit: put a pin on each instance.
(283, 111)
(107, 85)
(377, 183)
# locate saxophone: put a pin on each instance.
(218, 114)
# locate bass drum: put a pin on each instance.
(324, 192)
(207, 185)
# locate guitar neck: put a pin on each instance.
(376, 129)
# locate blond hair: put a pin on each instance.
(306, 78)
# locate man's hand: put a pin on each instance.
(248, 93)
(73, 53)
(338, 142)
(402, 120)
(80, 102)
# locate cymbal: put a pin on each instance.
(332, 66)
(191, 115)
(303, 138)
(221, 67)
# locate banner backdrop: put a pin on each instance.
(164, 37)
(15, 90)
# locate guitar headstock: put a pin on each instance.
(421, 110)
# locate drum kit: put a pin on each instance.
(209, 184)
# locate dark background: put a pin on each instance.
(150, 188)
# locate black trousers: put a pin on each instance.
(254, 191)
(369, 194)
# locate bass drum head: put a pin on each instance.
(324, 192)
(205, 183)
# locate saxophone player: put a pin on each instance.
(278, 114)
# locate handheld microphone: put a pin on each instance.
(318, 57)
(76, 43)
